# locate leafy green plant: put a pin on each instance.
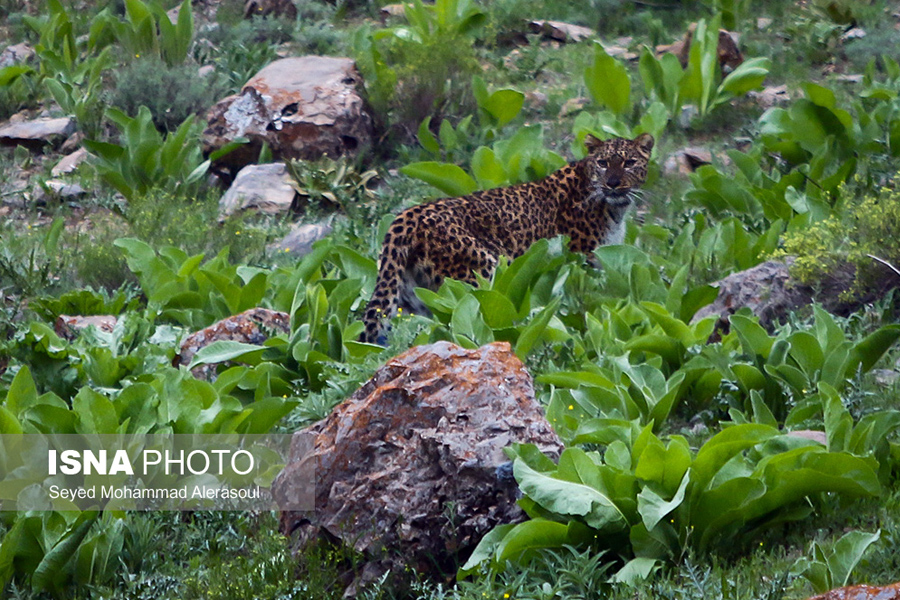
(856, 244)
(331, 182)
(518, 159)
(148, 32)
(29, 264)
(422, 68)
(827, 570)
(171, 93)
(608, 82)
(652, 500)
(186, 290)
(79, 89)
(146, 160)
(699, 84)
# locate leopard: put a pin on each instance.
(464, 237)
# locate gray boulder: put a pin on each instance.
(302, 107)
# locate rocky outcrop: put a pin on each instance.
(561, 32)
(68, 326)
(410, 470)
(265, 188)
(305, 108)
(37, 133)
(862, 592)
(770, 293)
(252, 326)
(766, 289)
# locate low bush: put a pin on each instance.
(172, 93)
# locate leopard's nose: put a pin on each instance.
(613, 181)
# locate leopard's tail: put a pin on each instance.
(386, 297)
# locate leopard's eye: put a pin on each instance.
(630, 163)
(603, 163)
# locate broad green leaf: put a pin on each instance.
(427, 139)
(224, 350)
(607, 82)
(446, 177)
(653, 508)
(571, 499)
(45, 576)
(847, 553)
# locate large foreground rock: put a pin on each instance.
(862, 592)
(410, 470)
(302, 107)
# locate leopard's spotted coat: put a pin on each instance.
(457, 237)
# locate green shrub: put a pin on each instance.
(147, 30)
(425, 68)
(864, 240)
(172, 93)
(146, 160)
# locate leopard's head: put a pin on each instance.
(618, 166)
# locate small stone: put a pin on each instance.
(65, 191)
(885, 377)
(68, 326)
(252, 326)
(72, 143)
(770, 96)
(266, 188)
(573, 105)
(205, 71)
(389, 11)
(763, 23)
(69, 163)
(536, 99)
(561, 32)
(298, 243)
(849, 78)
(16, 54)
(854, 33)
(862, 592)
(687, 115)
(697, 157)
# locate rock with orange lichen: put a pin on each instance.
(410, 470)
(862, 592)
(252, 326)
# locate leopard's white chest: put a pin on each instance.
(615, 230)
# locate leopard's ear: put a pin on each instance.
(644, 142)
(592, 143)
